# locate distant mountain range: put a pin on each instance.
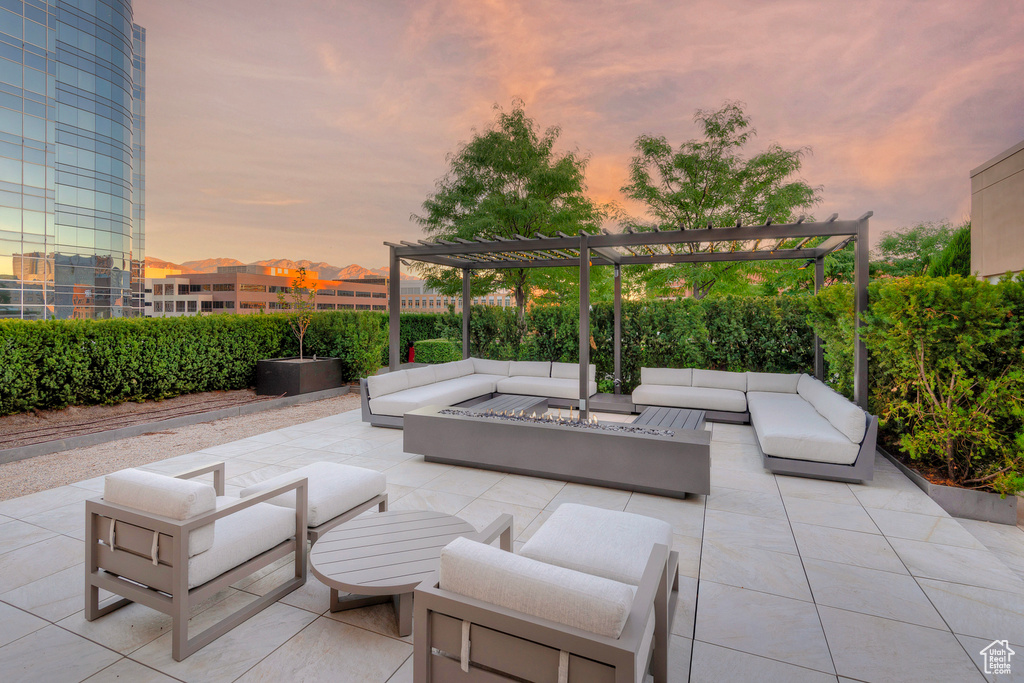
(326, 270)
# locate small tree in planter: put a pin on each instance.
(301, 300)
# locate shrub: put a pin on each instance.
(830, 314)
(437, 351)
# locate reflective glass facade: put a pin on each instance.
(72, 150)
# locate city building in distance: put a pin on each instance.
(418, 298)
(254, 289)
(72, 153)
(997, 215)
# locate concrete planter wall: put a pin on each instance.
(291, 376)
(980, 505)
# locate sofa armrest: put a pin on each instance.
(218, 475)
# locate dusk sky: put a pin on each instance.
(312, 129)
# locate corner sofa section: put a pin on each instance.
(386, 398)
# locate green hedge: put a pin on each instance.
(437, 351)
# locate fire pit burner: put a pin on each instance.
(533, 418)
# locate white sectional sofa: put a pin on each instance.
(388, 397)
(802, 426)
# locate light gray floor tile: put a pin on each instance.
(465, 481)
(234, 653)
(35, 561)
(127, 671)
(275, 437)
(415, 472)
(897, 500)
(54, 596)
(871, 591)
(979, 612)
(956, 565)
(124, 630)
(15, 623)
(715, 664)
(722, 475)
(771, 626)
(317, 441)
(482, 512)
(95, 484)
(263, 473)
(760, 570)
(974, 647)
(537, 522)
(532, 491)
(685, 516)
(33, 504)
(721, 431)
(679, 650)
(688, 548)
(766, 504)
(848, 547)
(275, 454)
(404, 673)
(17, 534)
(426, 499)
(53, 655)
(373, 463)
(729, 528)
(377, 618)
(325, 649)
(1004, 540)
(67, 519)
(686, 608)
(835, 515)
(610, 499)
(915, 527)
(870, 648)
(816, 489)
(350, 446)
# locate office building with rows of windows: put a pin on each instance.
(418, 298)
(72, 150)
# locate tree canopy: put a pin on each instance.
(507, 181)
(709, 182)
(909, 251)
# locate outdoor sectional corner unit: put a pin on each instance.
(386, 398)
(802, 427)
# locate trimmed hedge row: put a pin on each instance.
(437, 351)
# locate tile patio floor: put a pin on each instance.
(782, 579)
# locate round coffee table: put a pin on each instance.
(382, 557)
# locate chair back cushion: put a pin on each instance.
(719, 379)
(572, 598)
(458, 368)
(165, 496)
(420, 376)
(572, 371)
(522, 368)
(845, 416)
(772, 382)
(331, 489)
(484, 366)
(676, 377)
(388, 383)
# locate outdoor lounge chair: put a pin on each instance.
(494, 616)
(169, 543)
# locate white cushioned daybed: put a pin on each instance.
(802, 426)
(388, 397)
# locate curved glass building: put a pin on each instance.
(72, 151)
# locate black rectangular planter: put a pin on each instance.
(291, 376)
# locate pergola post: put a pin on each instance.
(617, 334)
(860, 305)
(394, 310)
(584, 325)
(465, 312)
(819, 356)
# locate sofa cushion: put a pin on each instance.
(451, 370)
(717, 379)
(521, 368)
(159, 494)
(787, 426)
(701, 398)
(420, 376)
(572, 371)
(447, 393)
(844, 415)
(678, 377)
(608, 543)
(584, 601)
(388, 383)
(332, 489)
(543, 386)
(484, 366)
(779, 382)
(240, 537)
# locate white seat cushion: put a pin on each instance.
(719, 379)
(543, 386)
(576, 599)
(332, 489)
(388, 383)
(608, 543)
(445, 393)
(240, 537)
(159, 494)
(703, 398)
(678, 377)
(845, 416)
(787, 426)
(778, 382)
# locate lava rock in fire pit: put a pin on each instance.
(592, 423)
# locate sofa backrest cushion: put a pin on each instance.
(774, 382)
(388, 383)
(572, 371)
(677, 377)
(569, 597)
(483, 366)
(845, 416)
(420, 376)
(159, 494)
(522, 368)
(446, 371)
(465, 366)
(717, 379)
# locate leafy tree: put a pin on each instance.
(955, 259)
(301, 299)
(909, 251)
(507, 181)
(709, 182)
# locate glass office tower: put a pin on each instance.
(72, 124)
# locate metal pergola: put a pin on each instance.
(739, 243)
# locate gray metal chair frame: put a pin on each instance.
(860, 472)
(128, 569)
(509, 644)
